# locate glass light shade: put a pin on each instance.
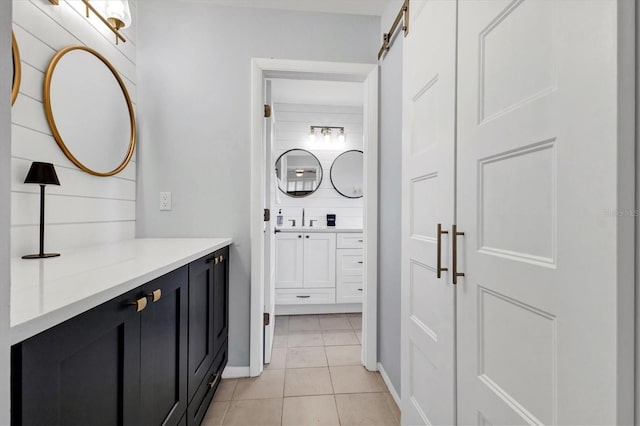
(117, 10)
(341, 136)
(312, 135)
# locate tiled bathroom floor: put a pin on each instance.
(315, 378)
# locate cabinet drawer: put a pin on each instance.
(350, 240)
(305, 296)
(203, 396)
(350, 292)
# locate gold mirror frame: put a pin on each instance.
(52, 124)
(17, 69)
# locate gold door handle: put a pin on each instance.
(140, 304)
(439, 267)
(455, 234)
(216, 377)
(155, 295)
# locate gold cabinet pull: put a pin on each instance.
(140, 304)
(455, 234)
(212, 384)
(221, 259)
(155, 295)
(213, 259)
(439, 267)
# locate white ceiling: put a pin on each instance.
(351, 7)
(314, 92)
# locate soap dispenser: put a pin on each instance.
(279, 218)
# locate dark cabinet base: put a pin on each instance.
(113, 365)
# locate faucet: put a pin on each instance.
(311, 222)
(293, 222)
(303, 216)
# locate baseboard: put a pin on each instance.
(235, 372)
(387, 382)
(336, 308)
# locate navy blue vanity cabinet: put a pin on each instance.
(85, 371)
(153, 356)
(163, 358)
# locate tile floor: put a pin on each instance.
(314, 378)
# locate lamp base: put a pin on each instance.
(40, 256)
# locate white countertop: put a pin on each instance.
(328, 229)
(46, 292)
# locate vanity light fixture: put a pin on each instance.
(299, 172)
(327, 132)
(42, 174)
(115, 14)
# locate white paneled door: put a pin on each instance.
(537, 168)
(428, 302)
(518, 128)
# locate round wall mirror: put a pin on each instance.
(89, 111)
(346, 174)
(17, 69)
(298, 173)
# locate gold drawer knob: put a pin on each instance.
(140, 304)
(155, 295)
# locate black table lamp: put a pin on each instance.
(43, 174)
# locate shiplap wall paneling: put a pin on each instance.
(85, 209)
(292, 123)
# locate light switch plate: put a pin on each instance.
(165, 201)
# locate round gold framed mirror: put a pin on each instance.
(89, 111)
(17, 69)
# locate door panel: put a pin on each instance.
(428, 319)
(163, 366)
(537, 168)
(319, 260)
(289, 260)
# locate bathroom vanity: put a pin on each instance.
(128, 333)
(318, 270)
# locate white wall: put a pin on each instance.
(292, 122)
(5, 198)
(194, 75)
(85, 209)
(390, 169)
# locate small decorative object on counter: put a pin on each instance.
(42, 174)
(331, 220)
(279, 218)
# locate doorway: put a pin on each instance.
(319, 245)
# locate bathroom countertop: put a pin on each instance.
(47, 292)
(328, 229)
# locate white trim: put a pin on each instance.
(337, 308)
(235, 372)
(387, 381)
(368, 74)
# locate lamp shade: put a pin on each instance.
(42, 173)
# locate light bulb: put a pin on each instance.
(341, 136)
(312, 135)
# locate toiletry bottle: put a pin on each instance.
(279, 218)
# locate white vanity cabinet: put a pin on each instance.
(319, 268)
(305, 268)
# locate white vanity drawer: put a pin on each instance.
(305, 296)
(349, 240)
(349, 292)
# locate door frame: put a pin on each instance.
(262, 68)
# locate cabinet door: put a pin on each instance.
(201, 338)
(163, 363)
(349, 283)
(319, 263)
(85, 371)
(220, 299)
(289, 259)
